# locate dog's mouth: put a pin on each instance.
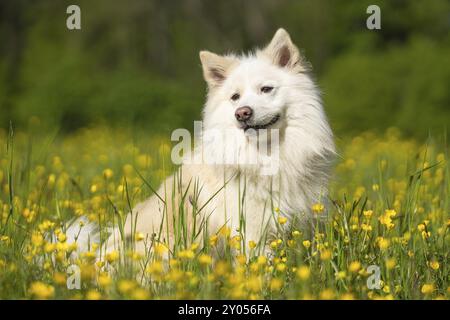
(258, 126)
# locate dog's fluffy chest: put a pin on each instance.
(248, 200)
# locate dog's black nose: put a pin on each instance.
(243, 113)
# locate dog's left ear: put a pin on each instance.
(284, 53)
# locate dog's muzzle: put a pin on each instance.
(245, 125)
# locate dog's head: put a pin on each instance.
(254, 91)
(269, 89)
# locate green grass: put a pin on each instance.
(389, 208)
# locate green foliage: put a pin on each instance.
(137, 63)
(403, 86)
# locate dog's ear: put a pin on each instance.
(284, 53)
(215, 67)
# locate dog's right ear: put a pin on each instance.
(215, 68)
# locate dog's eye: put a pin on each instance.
(266, 89)
(235, 96)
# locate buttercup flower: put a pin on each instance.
(427, 288)
(41, 290)
(318, 208)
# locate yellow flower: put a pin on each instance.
(49, 247)
(426, 235)
(160, 249)
(354, 266)
(386, 219)
(125, 286)
(213, 240)
(262, 260)
(41, 290)
(318, 208)
(186, 254)
(276, 284)
(306, 244)
(383, 243)
(367, 213)
(62, 237)
(235, 242)
(340, 275)
(89, 255)
(225, 232)
(112, 256)
(282, 220)
(104, 280)
(127, 169)
(93, 295)
(46, 225)
(140, 294)
(274, 244)
(242, 259)
(51, 180)
(205, 259)
(108, 173)
(88, 272)
(37, 239)
(427, 288)
(221, 268)
(64, 246)
(303, 272)
(366, 227)
(59, 278)
(155, 268)
(252, 244)
(139, 236)
(434, 265)
(347, 296)
(296, 233)
(254, 284)
(421, 227)
(144, 161)
(281, 267)
(391, 263)
(327, 294)
(325, 255)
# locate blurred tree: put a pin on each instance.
(136, 62)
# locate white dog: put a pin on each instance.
(269, 90)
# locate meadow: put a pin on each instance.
(389, 208)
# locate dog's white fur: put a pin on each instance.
(305, 154)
